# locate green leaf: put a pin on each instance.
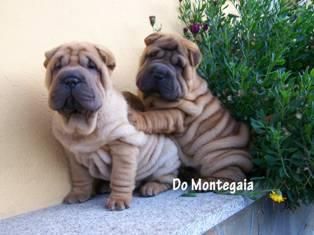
(264, 60)
(189, 194)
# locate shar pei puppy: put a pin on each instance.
(177, 101)
(90, 120)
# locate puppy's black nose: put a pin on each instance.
(71, 81)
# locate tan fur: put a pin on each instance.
(103, 144)
(209, 138)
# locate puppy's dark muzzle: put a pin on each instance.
(153, 75)
(159, 78)
(73, 94)
(71, 78)
(159, 72)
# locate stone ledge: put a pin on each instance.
(265, 217)
(168, 213)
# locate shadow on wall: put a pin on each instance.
(34, 162)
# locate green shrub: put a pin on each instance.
(261, 65)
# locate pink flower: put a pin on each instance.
(195, 28)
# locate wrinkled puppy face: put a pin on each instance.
(167, 66)
(76, 77)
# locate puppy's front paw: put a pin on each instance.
(76, 196)
(118, 202)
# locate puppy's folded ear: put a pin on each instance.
(194, 53)
(49, 54)
(106, 56)
(134, 101)
(152, 38)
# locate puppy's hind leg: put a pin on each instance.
(168, 161)
(157, 185)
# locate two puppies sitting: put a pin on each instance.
(107, 139)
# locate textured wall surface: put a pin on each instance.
(33, 172)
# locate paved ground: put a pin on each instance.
(168, 213)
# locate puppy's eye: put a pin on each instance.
(91, 64)
(155, 53)
(57, 66)
(152, 54)
(178, 61)
(181, 63)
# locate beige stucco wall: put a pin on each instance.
(33, 172)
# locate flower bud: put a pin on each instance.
(152, 20)
(205, 27)
(195, 28)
